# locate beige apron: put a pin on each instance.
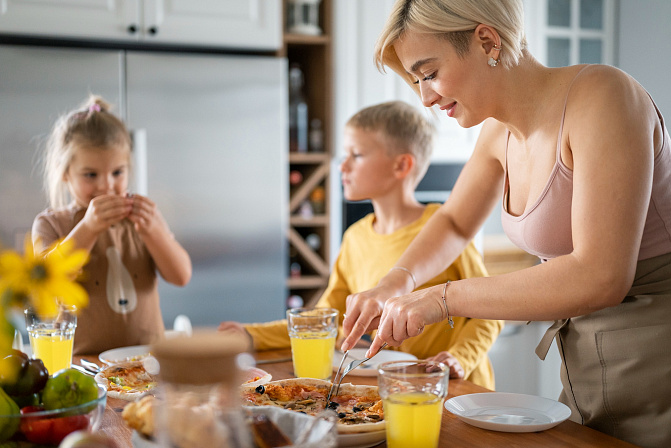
(616, 363)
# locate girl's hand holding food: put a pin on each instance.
(144, 215)
(106, 210)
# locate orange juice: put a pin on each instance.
(53, 347)
(312, 353)
(413, 419)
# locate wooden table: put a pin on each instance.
(453, 432)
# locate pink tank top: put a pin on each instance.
(544, 229)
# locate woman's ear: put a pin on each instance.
(487, 38)
(404, 165)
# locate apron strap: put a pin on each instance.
(545, 343)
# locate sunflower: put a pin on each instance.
(40, 281)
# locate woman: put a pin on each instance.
(580, 158)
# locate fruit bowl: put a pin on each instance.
(50, 427)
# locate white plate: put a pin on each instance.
(361, 440)
(368, 368)
(122, 354)
(500, 411)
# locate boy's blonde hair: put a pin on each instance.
(92, 126)
(406, 128)
(455, 21)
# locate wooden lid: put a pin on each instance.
(206, 357)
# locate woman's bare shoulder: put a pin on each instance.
(603, 85)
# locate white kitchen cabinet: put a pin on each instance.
(236, 24)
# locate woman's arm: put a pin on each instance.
(611, 135)
(443, 237)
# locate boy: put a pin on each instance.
(387, 152)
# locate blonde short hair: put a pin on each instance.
(454, 20)
(406, 128)
(91, 125)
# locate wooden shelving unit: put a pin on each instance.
(314, 55)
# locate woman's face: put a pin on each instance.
(95, 172)
(455, 84)
(367, 171)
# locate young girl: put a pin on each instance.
(87, 167)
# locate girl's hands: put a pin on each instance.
(456, 371)
(144, 215)
(106, 210)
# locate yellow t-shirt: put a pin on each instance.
(365, 257)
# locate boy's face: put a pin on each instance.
(368, 171)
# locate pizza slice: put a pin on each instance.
(128, 381)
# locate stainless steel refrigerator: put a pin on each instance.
(209, 136)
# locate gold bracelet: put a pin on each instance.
(414, 280)
(447, 312)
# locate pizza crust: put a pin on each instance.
(324, 386)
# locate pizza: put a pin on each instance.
(359, 408)
(127, 381)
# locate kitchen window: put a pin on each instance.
(569, 32)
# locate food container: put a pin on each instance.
(50, 427)
(199, 380)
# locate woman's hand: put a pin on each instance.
(406, 316)
(363, 313)
(106, 210)
(365, 308)
(456, 371)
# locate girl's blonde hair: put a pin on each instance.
(92, 126)
(455, 21)
(405, 127)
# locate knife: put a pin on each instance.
(83, 370)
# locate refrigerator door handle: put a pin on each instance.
(139, 139)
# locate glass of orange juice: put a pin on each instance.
(313, 334)
(52, 339)
(412, 395)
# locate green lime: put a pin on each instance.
(68, 388)
(8, 425)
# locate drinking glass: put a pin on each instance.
(52, 339)
(313, 334)
(412, 396)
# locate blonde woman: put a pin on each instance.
(579, 159)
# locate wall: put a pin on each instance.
(644, 41)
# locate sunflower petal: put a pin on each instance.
(73, 294)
